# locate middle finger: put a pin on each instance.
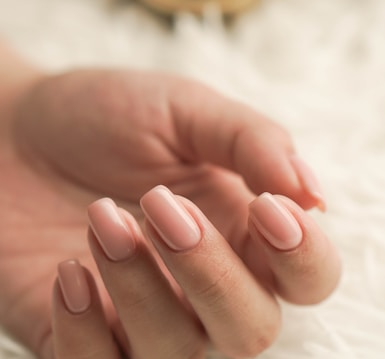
(156, 322)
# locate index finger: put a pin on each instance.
(240, 316)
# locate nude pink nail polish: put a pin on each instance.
(309, 181)
(74, 286)
(170, 219)
(113, 234)
(275, 222)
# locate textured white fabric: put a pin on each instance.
(317, 67)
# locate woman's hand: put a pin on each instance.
(207, 293)
(87, 134)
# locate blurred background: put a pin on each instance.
(315, 66)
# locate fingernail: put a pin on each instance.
(170, 219)
(309, 181)
(113, 234)
(275, 222)
(74, 286)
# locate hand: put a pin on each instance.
(218, 298)
(88, 134)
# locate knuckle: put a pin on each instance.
(84, 353)
(214, 290)
(194, 349)
(137, 302)
(183, 344)
(254, 343)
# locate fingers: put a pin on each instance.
(240, 316)
(157, 324)
(79, 326)
(224, 132)
(305, 265)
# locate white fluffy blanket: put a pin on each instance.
(317, 67)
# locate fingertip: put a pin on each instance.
(321, 203)
(171, 220)
(308, 273)
(74, 286)
(114, 232)
(91, 207)
(309, 183)
(275, 222)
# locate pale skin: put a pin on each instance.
(71, 139)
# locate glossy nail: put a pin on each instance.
(113, 234)
(275, 222)
(170, 219)
(309, 181)
(74, 286)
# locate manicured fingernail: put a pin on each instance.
(170, 219)
(309, 181)
(74, 286)
(275, 222)
(113, 234)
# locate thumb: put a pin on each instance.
(212, 128)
